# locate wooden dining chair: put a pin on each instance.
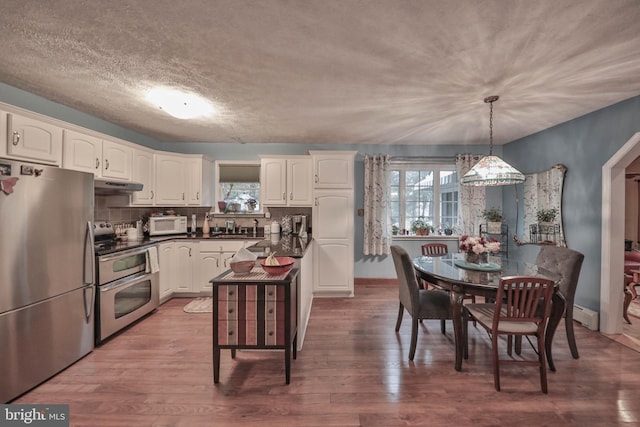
(438, 249)
(435, 249)
(419, 303)
(522, 308)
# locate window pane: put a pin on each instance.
(413, 195)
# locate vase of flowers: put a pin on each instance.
(477, 248)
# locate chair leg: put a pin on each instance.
(627, 302)
(571, 338)
(400, 313)
(543, 366)
(414, 338)
(465, 332)
(443, 326)
(496, 361)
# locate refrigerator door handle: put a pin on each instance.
(89, 263)
(89, 301)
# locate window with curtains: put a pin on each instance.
(424, 190)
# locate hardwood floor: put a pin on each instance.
(352, 371)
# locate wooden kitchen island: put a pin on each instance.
(255, 311)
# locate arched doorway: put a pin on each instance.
(612, 241)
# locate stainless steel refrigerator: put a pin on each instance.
(46, 273)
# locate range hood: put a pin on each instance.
(107, 187)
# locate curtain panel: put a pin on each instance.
(472, 199)
(377, 211)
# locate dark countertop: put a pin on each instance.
(291, 246)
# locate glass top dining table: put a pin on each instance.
(452, 273)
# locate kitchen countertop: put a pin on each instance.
(292, 246)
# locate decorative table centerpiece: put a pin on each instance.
(477, 248)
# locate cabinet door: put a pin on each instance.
(333, 267)
(170, 180)
(333, 215)
(116, 160)
(82, 152)
(32, 139)
(333, 170)
(210, 267)
(299, 173)
(184, 255)
(273, 182)
(165, 259)
(142, 172)
(333, 235)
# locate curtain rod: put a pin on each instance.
(425, 159)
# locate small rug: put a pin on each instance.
(199, 305)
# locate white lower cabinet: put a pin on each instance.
(214, 259)
(177, 266)
(305, 292)
(165, 257)
(185, 255)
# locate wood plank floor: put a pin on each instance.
(352, 371)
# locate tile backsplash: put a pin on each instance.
(109, 208)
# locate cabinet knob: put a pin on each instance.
(270, 333)
(284, 196)
(230, 310)
(291, 196)
(97, 163)
(230, 333)
(106, 164)
(152, 194)
(271, 311)
(16, 137)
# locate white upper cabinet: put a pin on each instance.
(33, 139)
(116, 160)
(182, 180)
(333, 169)
(199, 180)
(142, 171)
(170, 180)
(286, 181)
(82, 152)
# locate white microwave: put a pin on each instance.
(160, 225)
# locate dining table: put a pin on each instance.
(452, 273)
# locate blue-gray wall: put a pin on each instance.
(583, 145)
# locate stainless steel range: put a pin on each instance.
(128, 286)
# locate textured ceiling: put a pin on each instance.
(328, 71)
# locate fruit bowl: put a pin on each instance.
(286, 264)
(242, 267)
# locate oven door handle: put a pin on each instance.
(125, 281)
(123, 254)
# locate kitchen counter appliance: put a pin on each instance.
(163, 225)
(128, 287)
(47, 273)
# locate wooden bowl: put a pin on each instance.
(242, 267)
(286, 264)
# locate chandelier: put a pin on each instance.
(492, 170)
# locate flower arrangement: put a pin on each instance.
(479, 245)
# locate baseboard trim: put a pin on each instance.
(374, 281)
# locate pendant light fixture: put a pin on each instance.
(492, 170)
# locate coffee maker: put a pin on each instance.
(299, 224)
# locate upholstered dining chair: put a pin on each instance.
(564, 264)
(522, 308)
(419, 303)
